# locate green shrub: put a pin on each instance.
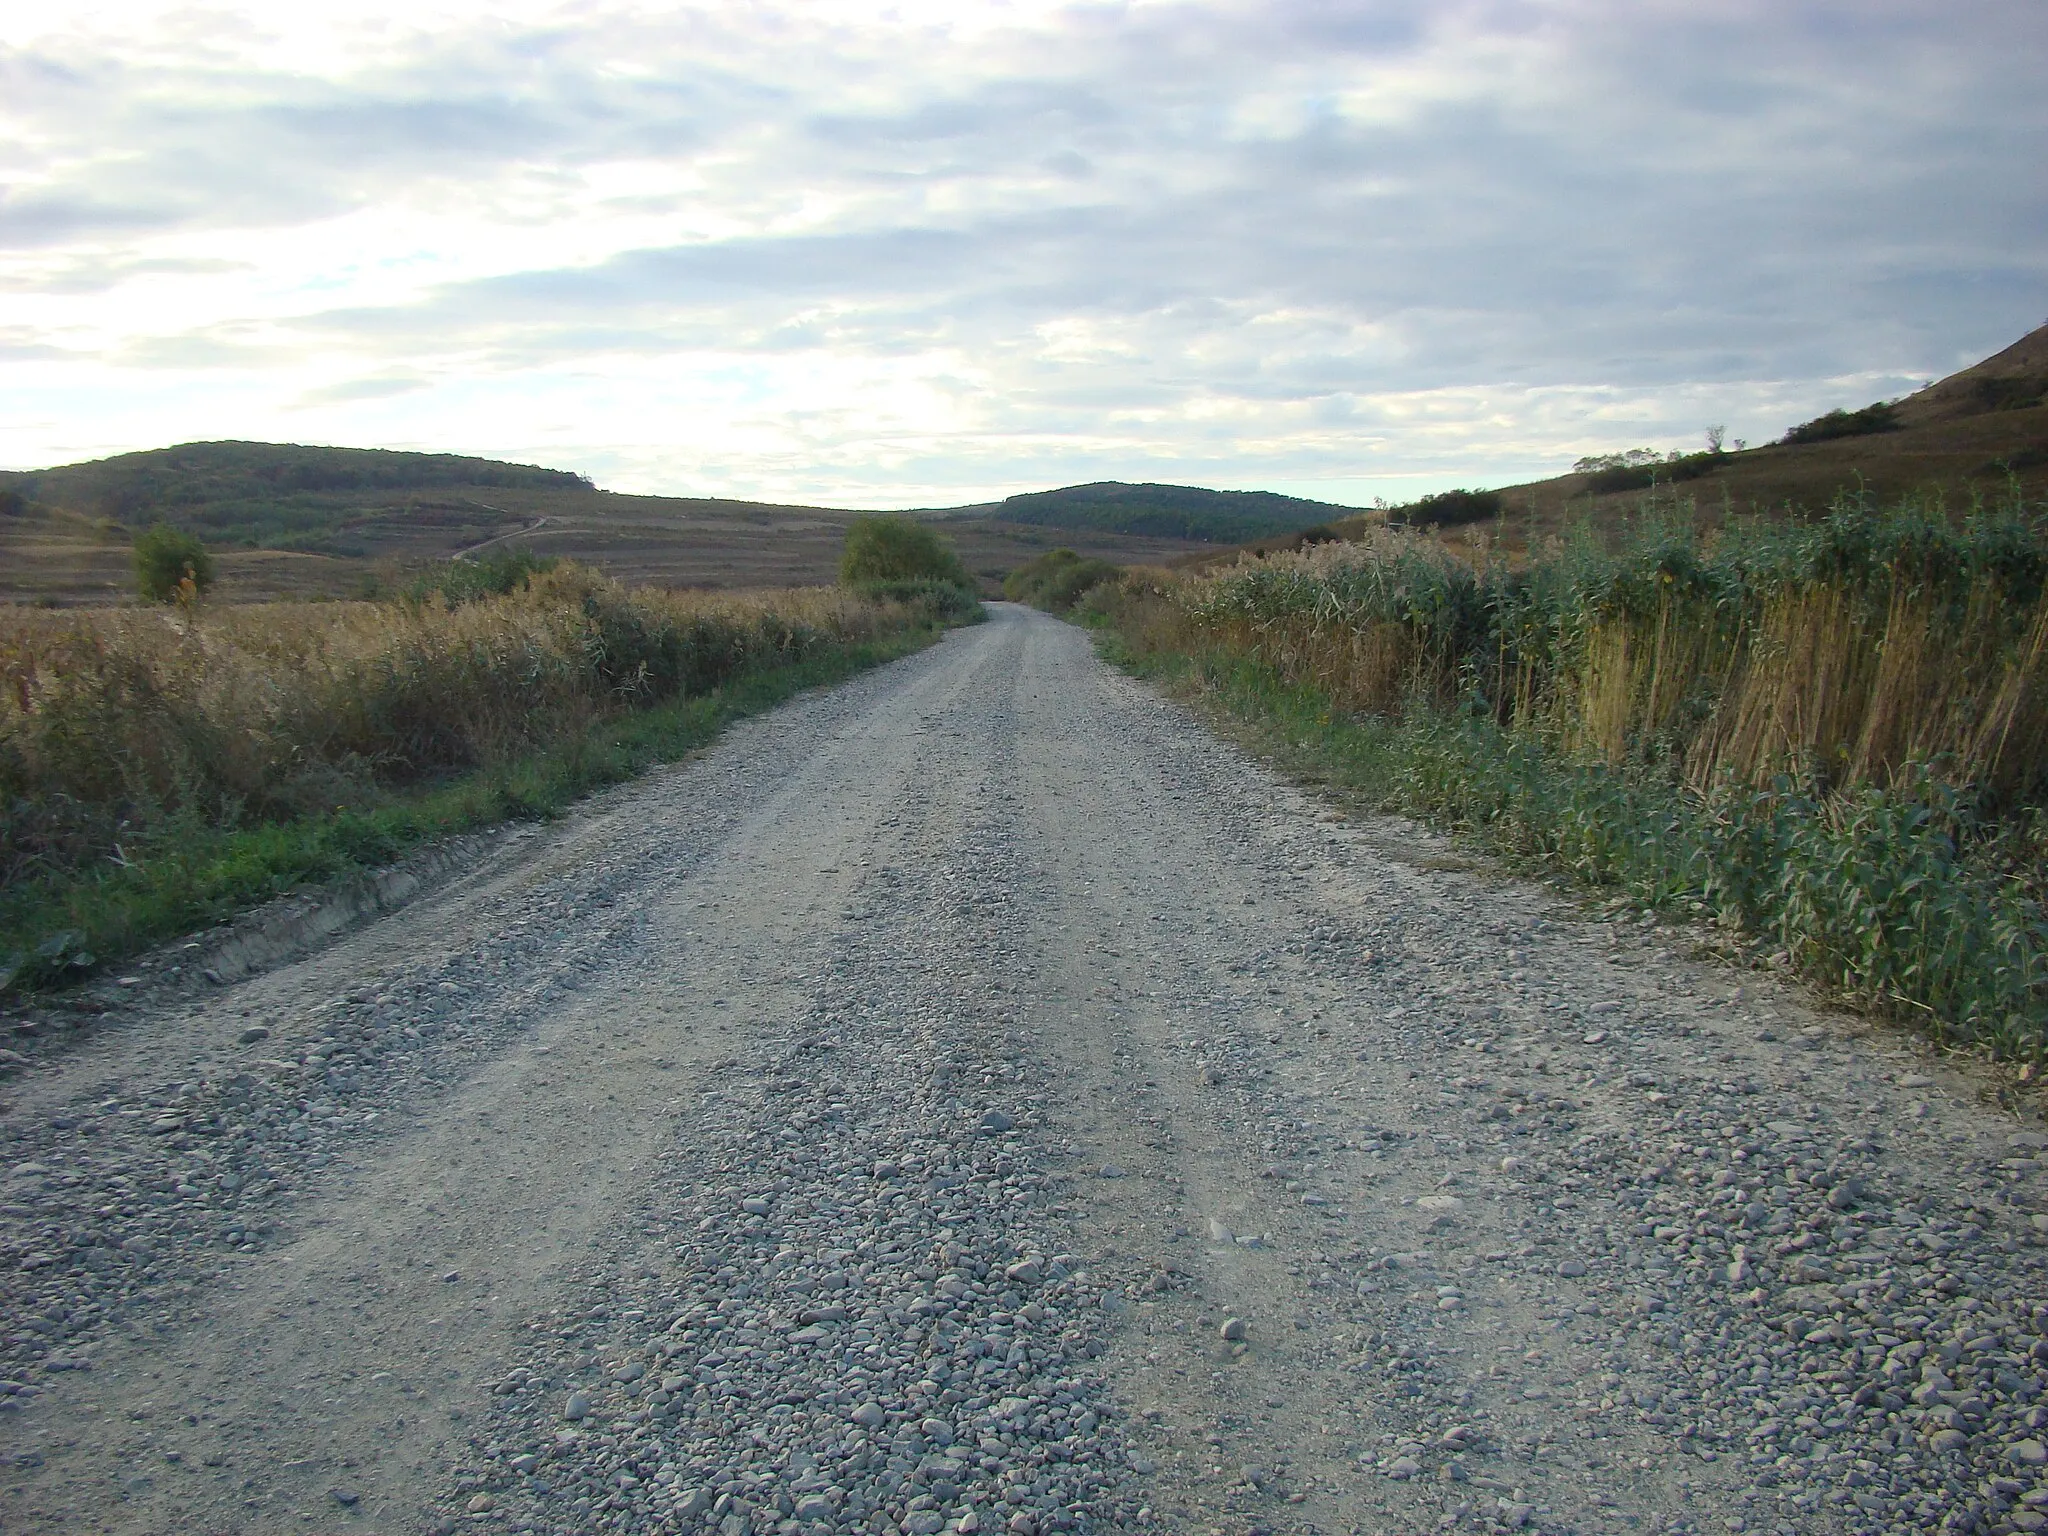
(890, 547)
(1639, 469)
(171, 565)
(493, 574)
(1057, 580)
(1881, 417)
(1449, 509)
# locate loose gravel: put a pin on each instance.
(976, 1099)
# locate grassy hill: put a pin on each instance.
(1165, 511)
(1973, 437)
(289, 521)
(284, 495)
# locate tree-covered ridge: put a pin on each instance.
(276, 495)
(1167, 511)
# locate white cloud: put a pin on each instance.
(917, 253)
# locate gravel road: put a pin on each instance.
(977, 1099)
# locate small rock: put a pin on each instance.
(1232, 1331)
(813, 1506)
(1110, 1171)
(1219, 1233)
(347, 1498)
(1402, 1468)
(1572, 1269)
(1024, 1272)
(254, 1033)
(481, 1504)
(578, 1407)
(1948, 1440)
(1022, 1524)
(694, 1501)
(755, 1205)
(995, 1122)
(869, 1415)
(1914, 1080)
(2028, 1453)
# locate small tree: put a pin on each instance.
(171, 565)
(889, 547)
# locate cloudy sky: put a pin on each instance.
(915, 254)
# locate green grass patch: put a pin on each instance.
(192, 875)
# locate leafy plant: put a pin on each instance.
(890, 547)
(493, 574)
(171, 565)
(1058, 579)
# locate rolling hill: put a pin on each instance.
(288, 520)
(1974, 435)
(1977, 437)
(1164, 511)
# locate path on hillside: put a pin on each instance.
(977, 1099)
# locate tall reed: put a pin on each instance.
(1832, 737)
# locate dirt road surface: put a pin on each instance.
(977, 1099)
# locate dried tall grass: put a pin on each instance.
(1717, 664)
(116, 722)
(1832, 739)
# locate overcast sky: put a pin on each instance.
(917, 254)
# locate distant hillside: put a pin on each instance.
(293, 521)
(1166, 511)
(1971, 437)
(2012, 380)
(281, 495)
